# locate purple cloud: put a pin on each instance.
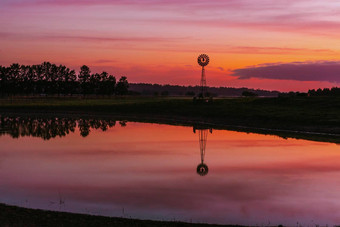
(300, 71)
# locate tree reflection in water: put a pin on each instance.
(48, 128)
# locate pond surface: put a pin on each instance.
(149, 171)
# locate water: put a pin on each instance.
(149, 171)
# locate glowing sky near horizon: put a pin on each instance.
(156, 41)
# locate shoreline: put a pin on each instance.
(283, 133)
(256, 115)
(20, 216)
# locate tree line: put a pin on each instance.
(51, 79)
(335, 91)
(191, 91)
(328, 92)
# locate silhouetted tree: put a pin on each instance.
(122, 123)
(39, 79)
(95, 83)
(69, 85)
(84, 79)
(109, 84)
(122, 86)
(13, 79)
(3, 80)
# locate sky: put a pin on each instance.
(280, 45)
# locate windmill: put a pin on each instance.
(203, 60)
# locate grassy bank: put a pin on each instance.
(16, 216)
(306, 114)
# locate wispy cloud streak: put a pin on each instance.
(84, 38)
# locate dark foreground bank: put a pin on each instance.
(313, 115)
(16, 216)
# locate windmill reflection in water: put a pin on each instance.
(202, 168)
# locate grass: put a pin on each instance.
(17, 216)
(308, 114)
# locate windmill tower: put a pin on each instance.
(203, 60)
